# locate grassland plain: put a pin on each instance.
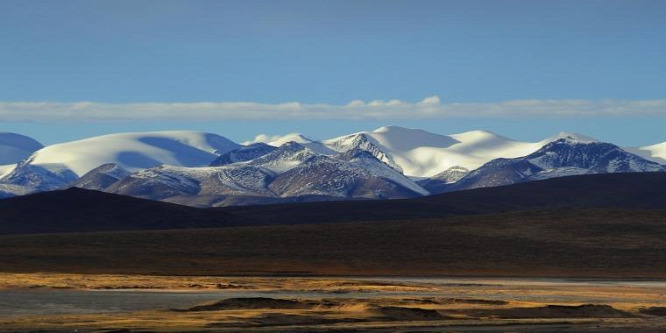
(551, 243)
(314, 267)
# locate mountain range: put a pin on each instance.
(208, 170)
(73, 209)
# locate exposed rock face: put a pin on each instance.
(441, 181)
(563, 157)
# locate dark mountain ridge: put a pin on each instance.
(620, 190)
(78, 210)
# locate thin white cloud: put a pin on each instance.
(429, 108)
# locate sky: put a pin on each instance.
(524, 69)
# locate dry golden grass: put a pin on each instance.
(464, 304)
(184, 283)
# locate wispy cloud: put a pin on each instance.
(428, 108)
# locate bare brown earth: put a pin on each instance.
(498, 305)
(564, 242)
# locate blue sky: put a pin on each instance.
(55, 54)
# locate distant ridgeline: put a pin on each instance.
(208, 170)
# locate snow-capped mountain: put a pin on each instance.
(353, 174)
(418, 153)
(38, 178)
(291, 137)
(277, 141)
(284, 158)
(441, 181)
(243, 154)
(134, 151)
(14, 148)
(56, 166)
(365, 142)
(290, 172)
(101, 177)
(655, 153)
(563, 157)
(212, 184)
(203, 169)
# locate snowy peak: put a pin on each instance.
(572, 137)
(352, 174)
(418, 153)
(291, 137)
(157, 183)
(289, 172)
(365, 142)
(101, 177)
(451, 175)
(655, 153)
(284, 158)
(395, 138)
(244, 154)
(569, 152)
(430, 154)
(562, 157)
(277, 141)
(112, 170)
(39, 178)
(134, 151)
(441, 181)
(597, 157)
(479, 136)
(353, 154)
(658, 150)
(205, 169)
(479, 143)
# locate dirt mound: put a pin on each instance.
(554, 311)
(654, 311)
(400, 313)
(251, 303)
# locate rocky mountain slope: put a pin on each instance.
(418, 153)
(290, 171)
(204, 169)
(563, 157)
